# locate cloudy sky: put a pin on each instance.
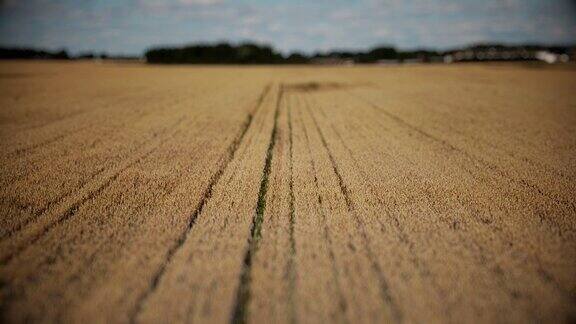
(131, 26)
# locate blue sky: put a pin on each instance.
(131, 26)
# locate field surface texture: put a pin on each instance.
(169, 194)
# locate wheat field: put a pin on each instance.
(370, 194)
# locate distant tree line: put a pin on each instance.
(376, 54)
(215, 54)
(11, 53)
(251, 53)
(29, 53)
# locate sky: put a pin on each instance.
(132, 26)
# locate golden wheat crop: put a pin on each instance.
(132, 193)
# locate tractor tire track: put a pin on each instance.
(240, 312)
(384, 285)
(230, 154)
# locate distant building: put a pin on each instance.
(508, 53)
(551, 58)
